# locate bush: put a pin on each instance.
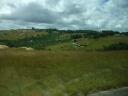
(76, 36)
(117, 46)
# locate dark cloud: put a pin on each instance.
(121, 3)
(11, 5)
(32, 13)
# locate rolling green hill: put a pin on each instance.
(45, 40)
(19, 34)
(91, 44)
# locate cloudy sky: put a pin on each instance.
(64, 14)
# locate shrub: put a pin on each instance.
(117, 46)
(76, 36)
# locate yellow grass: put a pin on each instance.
(60, 73)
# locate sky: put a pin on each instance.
(64, 14)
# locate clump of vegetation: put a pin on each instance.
(38, 42)
(117, 46)
(76, 36)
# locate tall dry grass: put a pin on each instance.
(61, 73)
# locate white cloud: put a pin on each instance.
(75, 14)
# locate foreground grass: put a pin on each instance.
(67, 73)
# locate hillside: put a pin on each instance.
(63, 40)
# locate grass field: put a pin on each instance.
(61, 73)
(92, 44)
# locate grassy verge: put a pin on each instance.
(57, 73)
